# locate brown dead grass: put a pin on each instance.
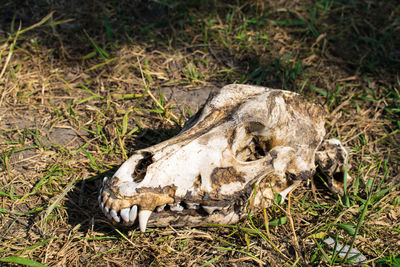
(62, 121)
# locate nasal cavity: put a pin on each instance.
(141, 167)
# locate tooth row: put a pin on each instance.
(129, 215)
(178, 207)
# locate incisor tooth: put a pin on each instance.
(144, 216)
(125, 214)
(115, 216)
(133, 213)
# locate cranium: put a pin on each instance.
(246, 144)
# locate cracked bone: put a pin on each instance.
(244, 137)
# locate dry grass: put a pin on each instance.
(83, 84)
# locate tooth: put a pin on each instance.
(133, 213)
(144, 216)
(161, 208)
(125, 214)
(105, 180)
(210, 210)
(115, 216)
(101, 203)
(107, 212)
(175, 207)
(192, 206)
(105, 196)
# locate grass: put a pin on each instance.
(82, 86)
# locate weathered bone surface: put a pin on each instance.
(244, 145)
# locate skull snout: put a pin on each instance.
(122, 201)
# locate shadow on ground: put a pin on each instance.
(358, 47)
(82, 201)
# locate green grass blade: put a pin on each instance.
(211, 261)
(55, 203)
(22, 261)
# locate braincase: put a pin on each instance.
(275, 106)
(234, 94)
(283, 117)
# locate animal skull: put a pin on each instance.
(244, 145)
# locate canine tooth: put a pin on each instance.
(210, 210)
(161, 208)
(133, 213)
(107, 212)
(105, 180)
(125, 214)
(144, 216)
(115, 216)
(175, 207)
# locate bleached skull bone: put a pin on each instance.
(246, 144)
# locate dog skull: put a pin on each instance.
(246, 143)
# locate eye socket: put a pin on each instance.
(249, 142)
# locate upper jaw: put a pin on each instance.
(217, 195)
(165, 211)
